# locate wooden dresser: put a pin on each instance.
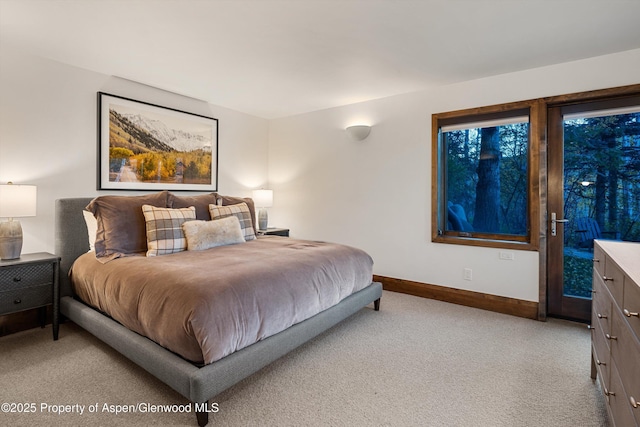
(615, 328)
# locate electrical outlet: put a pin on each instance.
(468, 274)
(507, 256)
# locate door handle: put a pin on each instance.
(554, 221)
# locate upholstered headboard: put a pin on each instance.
(71, 236)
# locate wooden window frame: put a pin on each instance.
(536, 110)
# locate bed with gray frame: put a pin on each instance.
(197, 383)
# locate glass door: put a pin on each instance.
(593, 193)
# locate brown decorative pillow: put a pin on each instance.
(240, 211)
(121, 225)
(200, 202)
(228, 200)
(164, 229)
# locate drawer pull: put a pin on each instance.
(611, 337)
(633, 402)
(600, 363)
(595, 260)
(609, 393)
(629, 313)
(17, 301)
(601, 316)
(605, 278)
(592, 328)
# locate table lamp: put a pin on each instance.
(15, 201)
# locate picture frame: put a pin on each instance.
(143, 146)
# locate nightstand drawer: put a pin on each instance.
(25, 275)
(25, 298)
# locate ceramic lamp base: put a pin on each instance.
(10, 240)
(263, 219)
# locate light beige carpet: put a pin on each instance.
(417, 362)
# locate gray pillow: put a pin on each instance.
(200, 202)
(121, 224)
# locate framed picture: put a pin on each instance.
(142, 146)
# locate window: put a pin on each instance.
(483, 167)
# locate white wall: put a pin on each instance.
(373, 194)
(48, 135)
(376, 194)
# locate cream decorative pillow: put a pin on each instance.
(209, 234)
(240, 211)
(164, 229)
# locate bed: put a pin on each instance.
(197, 380)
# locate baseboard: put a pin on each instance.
(512, 306)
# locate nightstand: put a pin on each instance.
(31, 281)
(274, 232)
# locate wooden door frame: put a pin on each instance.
(557, 305)
(553, 106)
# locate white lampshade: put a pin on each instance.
(263, 198)
(17, 200)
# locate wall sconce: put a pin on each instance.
(15, 201)
(358, 132)
(263, 199)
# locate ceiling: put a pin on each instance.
(274, 58)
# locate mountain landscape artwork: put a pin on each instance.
(151, 147)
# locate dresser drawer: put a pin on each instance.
(621, 408)
(601, 357)
(614, 280)
(25, 275)
(601, 308)
(631, 304)
(625, 351)
(598, 260)
(25, 298)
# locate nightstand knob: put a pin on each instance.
(610, 337)
(601, 316)
(17, 279)
(17, 301)
(607, 279)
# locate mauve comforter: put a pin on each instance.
(204, 305)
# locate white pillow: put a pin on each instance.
(92, 229)
(209, 234)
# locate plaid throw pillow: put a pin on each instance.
(241, 211)
(164, 229)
